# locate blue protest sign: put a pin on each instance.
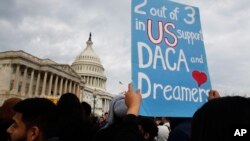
(168, 58)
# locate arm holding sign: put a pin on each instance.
(133, 100)
(135, 128)
(129, 129)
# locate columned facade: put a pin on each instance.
(23, 75)
(27, 76)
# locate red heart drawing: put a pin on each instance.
(199, 77)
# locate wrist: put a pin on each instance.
(133, 111)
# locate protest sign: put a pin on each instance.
(168, 58)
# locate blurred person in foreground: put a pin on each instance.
(72, 120)
(219, 118)
(6, 114)
(34, 120)
(181, 127)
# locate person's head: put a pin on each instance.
(69, 103)
(158, 121)
(175, 122)
(117, 110)
(216, 118)
(101, 119)
(35, 119)
(71, 118)
(106, 115)
(6, 110)
(165, 119)
(86, 108)
(148, 128)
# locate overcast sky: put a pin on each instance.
(59, 29)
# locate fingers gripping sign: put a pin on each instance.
(133, 100)
(213, 94)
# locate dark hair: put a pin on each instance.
(38, 112)
(6, 110)
(86, 108)
(69, 103)
(177, 121)
(70, 118)
(215, 119)
(149, 126)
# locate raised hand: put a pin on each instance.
(133, 100)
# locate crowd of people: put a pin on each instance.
(39, 119)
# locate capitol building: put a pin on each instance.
(24, 75)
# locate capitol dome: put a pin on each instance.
(88, 65)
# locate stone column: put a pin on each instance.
(55, 87)
(101, 83)
(61, 84)
(106, 105)
(108, 101)
(50, 84)
(103, 105)
(44, 83)
(31, 84)
(78, 91)
(65, 86)
(24, 82)
(16, 80)
(98, 82)
(37, 83)
(74, 87)
(70, 86)
(77, 84)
